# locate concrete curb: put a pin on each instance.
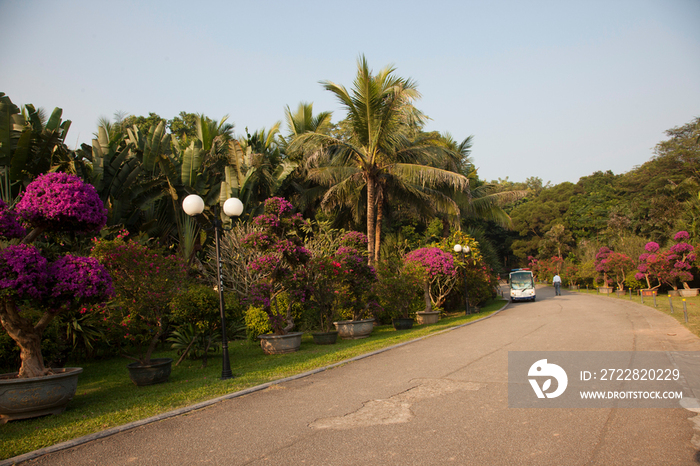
(132, 425)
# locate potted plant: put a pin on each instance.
(684, 261)
(399, 288)
(325, 274)
(439, 277)
(43, 277)
(650, 267)
(279, 270)
(140, 309)
(355, 293)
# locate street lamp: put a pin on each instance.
(194, 205)
(464, 250)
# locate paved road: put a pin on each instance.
(441, 400)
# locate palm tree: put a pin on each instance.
(304, 121)
(382, 148)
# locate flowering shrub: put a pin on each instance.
(670, 266)
(281, 267)
(9, 223)
(145, 282)
(615, 263)
(600, 264)
(62, 202)
(76, 279)
(358, 277)
(58, 202)
(23, 272)
(326, 275)
(481, 280)
(440, 274)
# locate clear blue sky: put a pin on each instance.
(556, 89)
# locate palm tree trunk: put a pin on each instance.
(378, 225)
(371, 217)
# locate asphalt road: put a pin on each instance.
(441, 400)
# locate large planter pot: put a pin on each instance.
(37, 396)
(689, 293)
(605, 290)
(325, 338)
(402, 323)
(424, 317)
(157, 371)
(648, 293)
(573, 287)
(674, 292)
(280, 344)
(354, 329)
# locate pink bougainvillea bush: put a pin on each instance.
(440, 274)
(613, 263)
(51, 280)
(667, 267)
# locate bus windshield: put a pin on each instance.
(521, 280)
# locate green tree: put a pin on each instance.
(381, 151)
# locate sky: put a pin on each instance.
(553, 89)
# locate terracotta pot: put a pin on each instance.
(156, 371)
(37, 396)
(354, 329)
(280, 344)
(431, 317)
(648, 293)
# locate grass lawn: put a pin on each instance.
(106, 397)
(663, 305)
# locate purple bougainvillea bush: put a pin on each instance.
(31, 278)
(62, 202)
(281, 268)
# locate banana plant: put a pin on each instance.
(28, 147)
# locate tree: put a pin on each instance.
(382, 148)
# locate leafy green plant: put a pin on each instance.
(257, 322)
(399, 288)
(190, 341)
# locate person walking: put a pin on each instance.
(556, 281)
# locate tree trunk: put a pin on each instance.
(371, 217)
(426, 296)
(378, 226)
(27, 337)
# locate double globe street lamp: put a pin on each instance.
(464, 250)
(193, 205)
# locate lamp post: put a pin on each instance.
(464, 250)
(194, 205)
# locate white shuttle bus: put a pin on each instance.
(522, 285)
